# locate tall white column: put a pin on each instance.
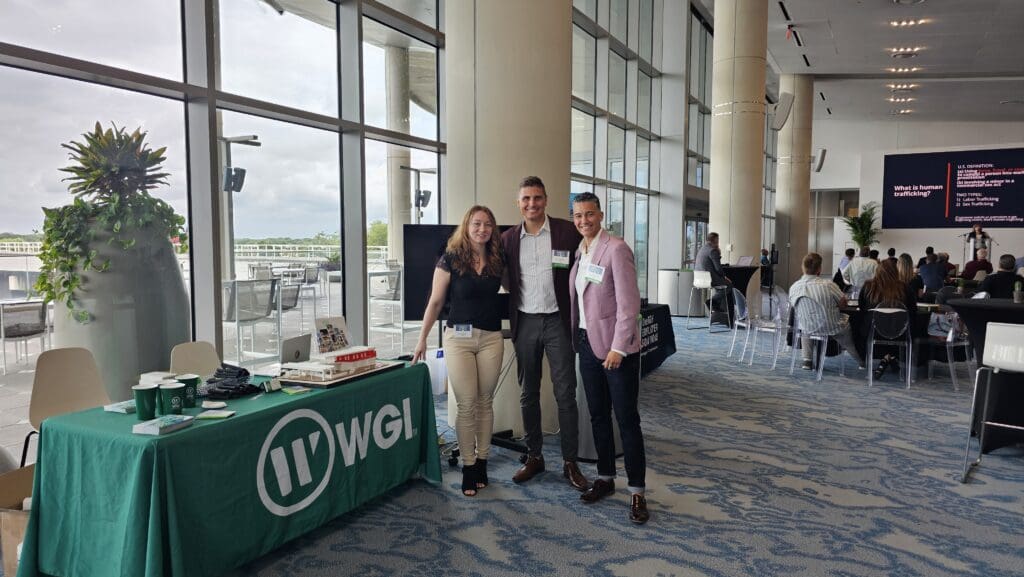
(737, 125)
(508, 81)
(396, 79)
(793, 182)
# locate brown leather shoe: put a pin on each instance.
(572, 472)
(638, 510)
(598, 491)
(529, 470)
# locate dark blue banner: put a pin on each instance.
(954, 189)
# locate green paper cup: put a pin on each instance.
(146, 401)
(191, 383)
(172, 398)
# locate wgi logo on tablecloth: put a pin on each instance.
(297, 456)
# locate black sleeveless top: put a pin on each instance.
(472, 298)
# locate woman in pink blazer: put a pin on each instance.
(605, 303)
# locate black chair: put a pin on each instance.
(19, 322)
(890, 326)
(246, 303)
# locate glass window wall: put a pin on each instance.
(584, 64)
(399, 81)
(582, 143)
(284, 58)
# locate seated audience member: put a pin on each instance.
(873, 255)
(825, 293)
(933, 273)
(892, 255)
(950, 267)
(1000, 284)
(971, 269)
(847, 257)
(927, 251)
(861, 268)
(886, 290)
(905, 266)
(709, 258)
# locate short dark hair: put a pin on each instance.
(587, 197)
(812, 263)
(873, 254)
(1007, 262)
(850, 252)
(892, 252)
(533, 182)
(712, 236)
(929, 250)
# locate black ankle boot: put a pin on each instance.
(881, 368)
(469, 480)
(481, 473)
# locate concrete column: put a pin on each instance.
(508, 87)
(793, 182)
(396, 82)
(737, 125)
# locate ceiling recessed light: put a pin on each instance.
(900, 111)
(903, 70)
(896, 87)
(906, 23)
(900, 99)
(905, 51)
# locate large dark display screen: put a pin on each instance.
(954, 189)
(424, 244)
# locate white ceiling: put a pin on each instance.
(970, 59)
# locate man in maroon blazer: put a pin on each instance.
(538, 254)
(605, 305)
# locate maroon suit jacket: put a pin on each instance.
(564, 236)
(612, 306)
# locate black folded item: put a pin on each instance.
(229, 382)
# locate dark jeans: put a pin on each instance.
(537, 335)
(617, 390)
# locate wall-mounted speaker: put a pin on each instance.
(819, 159)
(781, 112)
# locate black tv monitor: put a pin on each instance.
(423, 245)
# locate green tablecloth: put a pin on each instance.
(208, 498)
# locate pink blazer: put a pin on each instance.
(612, 306)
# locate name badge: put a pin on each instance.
(559, 259)
(463, 331)
(594, 274)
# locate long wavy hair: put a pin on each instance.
(905, 266)
(460, 247)
(886, 288)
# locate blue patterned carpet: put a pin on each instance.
(751, 472)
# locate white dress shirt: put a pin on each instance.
(536, 279)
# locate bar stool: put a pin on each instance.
(702, 283)
(1004, 351)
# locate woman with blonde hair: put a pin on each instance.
(887, 289)
(468, 276)
(905, 266)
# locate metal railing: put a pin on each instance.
(283, 252)
(21, 247)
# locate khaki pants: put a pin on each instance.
(473, 368)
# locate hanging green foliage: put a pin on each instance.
(111, 174)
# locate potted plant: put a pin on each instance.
(862, 227)
(108, 261)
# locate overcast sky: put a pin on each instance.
(292, 186)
